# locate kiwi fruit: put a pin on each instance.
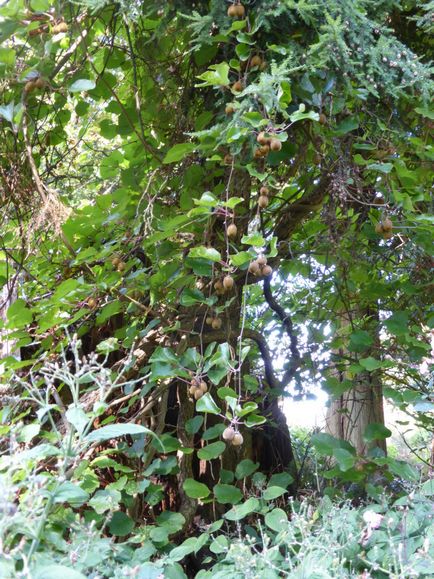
(192, 390)
(258, 154)
(116, 261)
(256, 61)
(233, 11)
(264, 191)
(228, 282)
(39, 82)
(387, 224)
(237, 439)
(263, 201)
(198, 394)
(241, 11)
(230, 109)
(267, 270)
(237, 86)
(29, 86)
(58, 28)
(209, 320)
(91, 303)
(262, 260)
(322, 119)
(254, 267)
(216, 324)
(121, 266)
(379, 228)
(275, 145)
(227, 159)
(218, 285)
(262, 138)
(203, 386)
(265, 149)
(232, 230)
(387, 234)
(228, 434)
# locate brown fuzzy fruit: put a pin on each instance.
(262, 260)
(237, 439)
(91, 303)
(121, 266)
(208, 320)
(198, 394)
(192, 390)
(275, 145)
(267, 270)
(29, 86)
(387, 234)
(263, 66)
(322, 119)
(230, 109)
(39, 82)
(228, 282)
(241, 11)
(379, 228)
(264, 191)
(237, 86)
(257, 154)
(116, 261)
(255, 61)
(317, 159)
(58, 28)
(232, 230)
(218, 285)
(265, 149)
(233, 11)
(227, 159)
(263, 201)
(254, 267)
(228, 434)
(216, 324)
(203, 386)
(387, 224)
(262, 138)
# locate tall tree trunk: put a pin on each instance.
(350, 414)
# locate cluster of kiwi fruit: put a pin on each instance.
(214, 321)
(224, 285)
(259, 267)
(119, 264)
(233, 436)
(384, 228)
(59, 27)
(34, 84)
(197, 388)
(263, 199)
(236, 10)
(266, 144)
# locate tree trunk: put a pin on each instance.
(349, 415)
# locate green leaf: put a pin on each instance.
(71, 493)
(238, 512)
(325, 443)
(429, 113)
(121, 524)
(18, 314)
(207, 404)
(178, 152)
(55, 571)
(245, 468)
(255, 239)
(81, 85)
(240, 258)
(195, 490)
(205, 253)
(370, 363)
(276, 520)
(271, 493)
(381, 167)
(220, 545)
(184, 549)
(216, 75)
(193, 425)
(227, 494)
(254, 420)
(376, 432)
(116, 430)
(301, 115)
(344, 458)
(211, 451)
(281, 479)
(346, 126)
(7, 56)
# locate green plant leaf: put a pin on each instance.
(121, 524)
(245, 468)
(376, 432)
(195, 490)
(227, 494)
(211, 451)
(207, 404)
(276, 520)
(178, 152)
(81, 85)
(238, 512)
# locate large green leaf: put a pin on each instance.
(211, 451)
(227, 494)
(195, 490)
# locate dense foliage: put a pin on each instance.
(207, 207)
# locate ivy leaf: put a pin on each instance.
(376, 432)
(207, 404)
(216, 75)
(238, 512)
